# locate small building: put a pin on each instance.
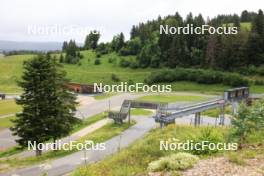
(2, 96)
(82, 88)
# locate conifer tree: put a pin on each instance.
(48, 107)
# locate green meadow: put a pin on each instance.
(87, 72)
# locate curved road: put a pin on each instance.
(70, 162)
(7, 140)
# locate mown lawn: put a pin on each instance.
(98, 136)
(142, 112)
(8, 107)
(104, 96)
(88, 73)
(6, 122)
(171, 98)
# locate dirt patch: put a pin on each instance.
(222, 167)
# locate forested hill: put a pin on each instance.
(226, 52)
(152, 49)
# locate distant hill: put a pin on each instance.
(34, 46)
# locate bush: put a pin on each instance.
(211, 136)
(124, 63)
(97, 61)
(114, 77)
(260, 70)
(178, 161)
(133, 65)
(197, 75)
(259, 82)
(111, 60)
(98, 54)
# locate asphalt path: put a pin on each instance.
(7, 140)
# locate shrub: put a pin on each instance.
(124, 63)
(197, 75)
(260, 70)
(110, 60)
(114, 77)
(98, 54)
(133, 65)
(236, 158)
(178, 161)
(211, 136)
(248, 122)
(97, 61)
(259, 82)
(130, 82)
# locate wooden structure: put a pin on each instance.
(82, 88)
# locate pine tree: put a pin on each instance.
(258, 24)
(91, 40)
(61, 58)
(255, 47)
(64, 46)
(48, 107)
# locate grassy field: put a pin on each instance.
(216, 112)
(171, 98)
(8, 107)
(98, 136)
(87, 72)
(104, 96)
(138, 112)
(134, 159)
(245, 26)
(6, 122)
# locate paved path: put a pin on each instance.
(75, 136)
(69, 163)
(7, 115)
(7, 140)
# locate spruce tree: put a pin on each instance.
(48, 107)
(91, 40)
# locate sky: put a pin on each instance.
(60, 20)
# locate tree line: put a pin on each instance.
(223, 52)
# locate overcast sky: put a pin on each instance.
(19, 19)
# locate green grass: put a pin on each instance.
(89, 121)
(88, 73)
(100, 135)
(245, 26)
(6, 122)
(138, 112)
(8, 107)
(200, 88)
(134, 160)
(11, 71)
(216, 112)
(171, 98)
(104, 96)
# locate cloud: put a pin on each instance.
(111, 17)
